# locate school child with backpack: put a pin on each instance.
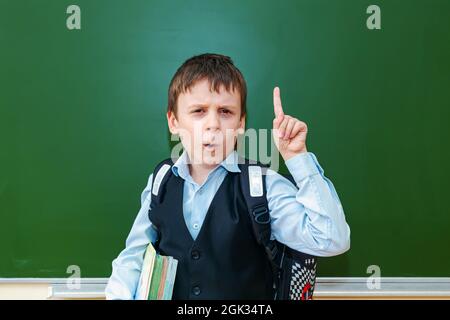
(238, 229)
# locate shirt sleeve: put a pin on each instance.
(308, 217)
(126, 268)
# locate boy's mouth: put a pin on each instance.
(209, 146)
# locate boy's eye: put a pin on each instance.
(225, 111)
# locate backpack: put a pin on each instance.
(294, 272)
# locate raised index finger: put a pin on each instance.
(277, 107)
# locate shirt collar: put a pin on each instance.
(181, 168)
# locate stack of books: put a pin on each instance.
(157, 276)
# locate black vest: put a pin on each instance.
(225, 261)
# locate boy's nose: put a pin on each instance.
(212, 121)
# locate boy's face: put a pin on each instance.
(208, 123)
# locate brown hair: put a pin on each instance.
(216, 68)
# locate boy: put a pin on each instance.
(202, 221)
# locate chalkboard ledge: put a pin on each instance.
(326, 287)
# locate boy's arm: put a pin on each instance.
(309, 219)
(127, 266)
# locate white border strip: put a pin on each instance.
(52, 280)
(389, 287)
(325, 287)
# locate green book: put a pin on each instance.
(156, 278)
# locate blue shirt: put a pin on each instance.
(308, 218)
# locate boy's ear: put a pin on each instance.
(241, 129)
(172, 122)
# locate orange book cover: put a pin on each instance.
(163, 278)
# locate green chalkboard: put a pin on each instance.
(82, 119)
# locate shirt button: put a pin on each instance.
(195, 226)
(196, 290)
(195, 255)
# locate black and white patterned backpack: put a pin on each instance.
(294, 272)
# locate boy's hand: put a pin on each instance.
(289, 133)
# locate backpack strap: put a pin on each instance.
(161, 174)
(253, 185)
